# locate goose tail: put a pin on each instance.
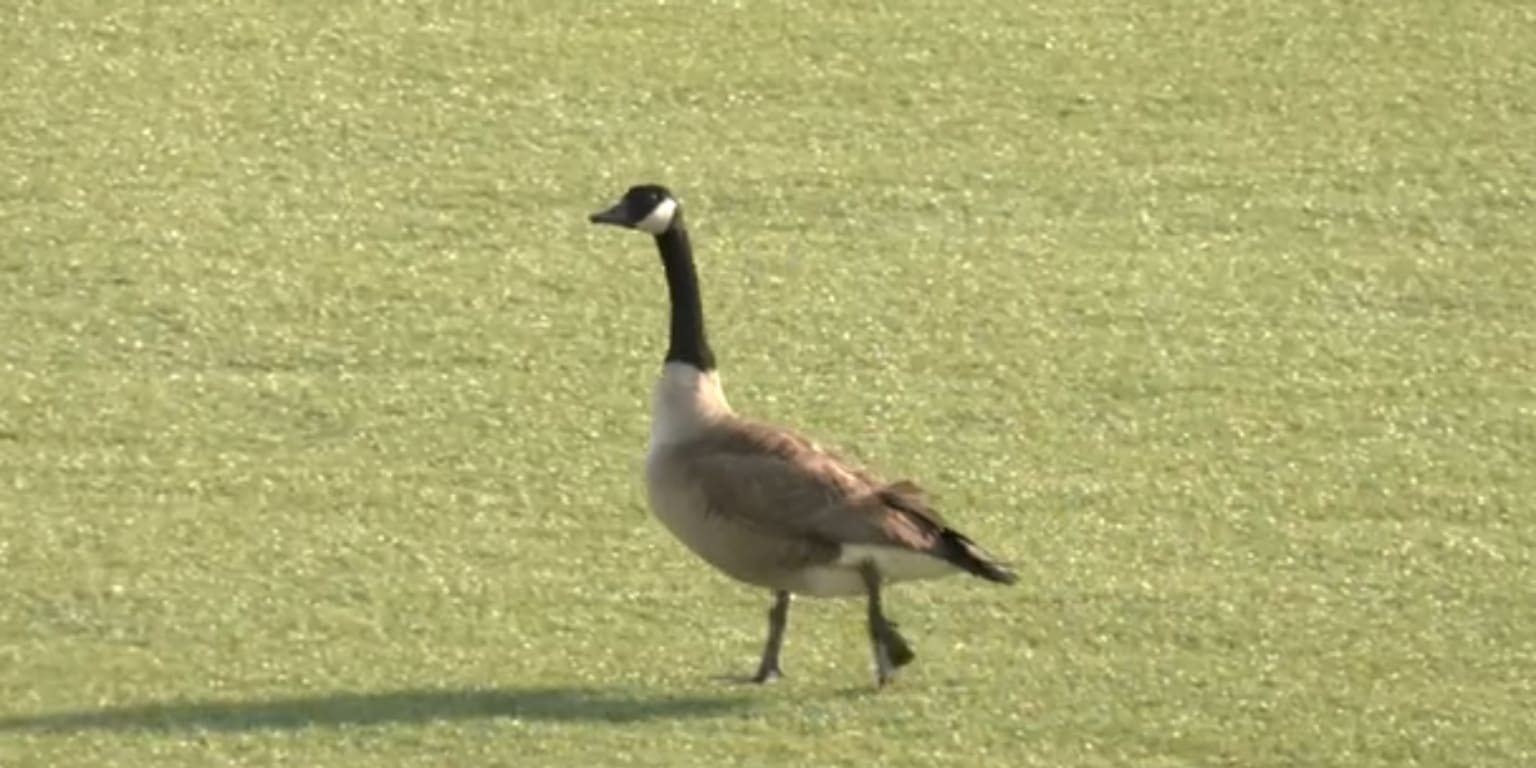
(975, 560)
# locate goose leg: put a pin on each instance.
(891, 650)
(778, 618)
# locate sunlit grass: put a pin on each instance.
(322, 407)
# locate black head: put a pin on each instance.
(647, 207)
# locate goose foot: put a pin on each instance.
(768, 669)
(890, 649)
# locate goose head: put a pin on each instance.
(649, 208)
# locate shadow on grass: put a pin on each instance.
(351, 709)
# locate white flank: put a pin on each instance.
(831, 581)
(660, 217)
(895, 563)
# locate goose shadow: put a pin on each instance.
(379, 708)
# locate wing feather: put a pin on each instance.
(782, 485)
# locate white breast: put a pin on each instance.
(685, 401)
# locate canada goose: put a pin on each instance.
(762, 504)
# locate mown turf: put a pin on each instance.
(321, 406)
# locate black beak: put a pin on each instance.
(614, 216)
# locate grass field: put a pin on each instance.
(322, 407)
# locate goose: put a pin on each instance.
(762, 504)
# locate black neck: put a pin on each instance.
(688, 343)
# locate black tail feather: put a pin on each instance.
(963, 552)
(954, 546)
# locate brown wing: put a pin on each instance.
(783, 485)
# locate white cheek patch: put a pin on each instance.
(660, 217)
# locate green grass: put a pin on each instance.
(322, 406)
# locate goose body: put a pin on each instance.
(762, 504)
(770, 508)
